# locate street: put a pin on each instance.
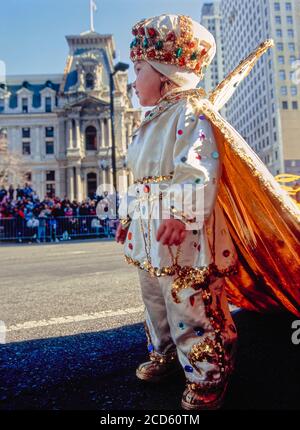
(73, 314)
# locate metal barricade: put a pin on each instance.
(56, 229)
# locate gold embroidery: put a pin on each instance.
(154, 179)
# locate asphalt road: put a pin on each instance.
(73, 316)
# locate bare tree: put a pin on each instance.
(12, 169)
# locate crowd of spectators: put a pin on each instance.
(25, 207)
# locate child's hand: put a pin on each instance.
(171, 232)
(121, 234)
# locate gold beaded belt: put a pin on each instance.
(155, 179)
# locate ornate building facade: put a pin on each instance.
(60, 125)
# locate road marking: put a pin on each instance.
(74, 318)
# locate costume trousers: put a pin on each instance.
(200, 328)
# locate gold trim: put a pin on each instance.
(188, 276)
(154, 179)
(245, 65)
(125, 222)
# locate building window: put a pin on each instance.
(285, 105)
(277, 6)
(49, 147)
(91, 185)
(282, 75)
(50, 175)
(281, 59)
(279, 33)
(279, 46)
(91, 139)
(26, 148)
(50, 183)
(292, 47)
(89, 81)
(28, 177)
(283, 91)
(277, 19)
(289, 19)
(26, 133)
(49, 131)
(24, 104)
(294, 91)
(292, 59)
(1, 105)
(50, 189)
(290, 33)
(295, 105)
(288, 6)
(48, 104)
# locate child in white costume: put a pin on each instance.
(182, 261)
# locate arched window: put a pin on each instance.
(89, 81)
(91, 138)
(91, 185)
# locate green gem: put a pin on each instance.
(145, 43)
(159, 44)
(194, 56)
(198, 181)
(178, 52)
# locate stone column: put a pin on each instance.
(102, 143)
(109, 143)
(70, 183)
(78, 184)
(77, 141)
(69, 134)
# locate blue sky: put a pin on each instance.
(32, 32)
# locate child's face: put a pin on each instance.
(147, 84)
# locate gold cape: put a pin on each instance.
(262, 218)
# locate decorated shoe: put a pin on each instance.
(196, 397)
(159, 367)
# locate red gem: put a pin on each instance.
(203, 52)
(147, 113)
(130, 246)
(139, 52)
(134, 31)
(198, 157)
(195, 244)
(182, 61)
(168, 56)
(151, 53)
(197, 67)
(129, 235)
(226, 253)
(142, 31)
(199, 247)
(180, 132)
(191, 45)
(132, 54)
(151, 32)
(192, 300)
(146, 188)
(170, 36)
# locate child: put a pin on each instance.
(183, 257)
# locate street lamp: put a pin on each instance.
(119, 67)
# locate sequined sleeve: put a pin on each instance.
(196, 170)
